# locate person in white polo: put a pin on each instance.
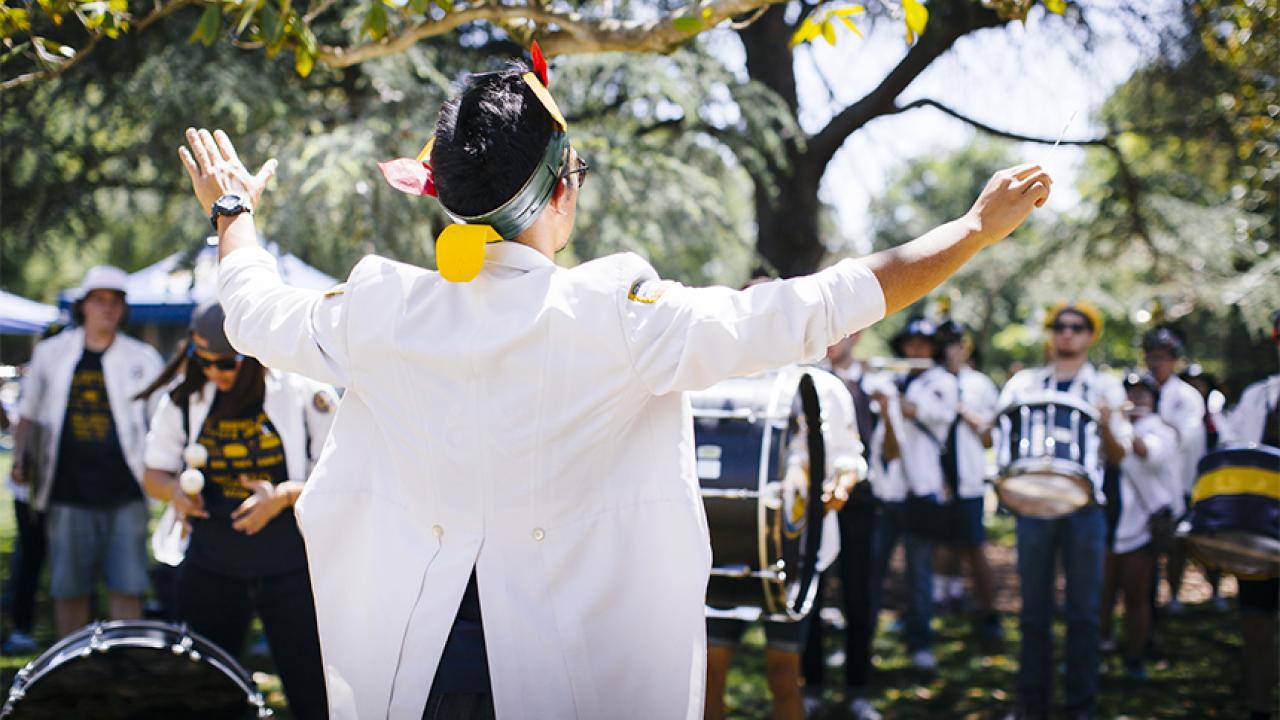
(79, 392)
(505, 520)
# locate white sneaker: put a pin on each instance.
(862, 709)
(923, 660)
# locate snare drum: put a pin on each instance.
(761, 463)
(1234, 522)
(134, 669)
(1042, 455)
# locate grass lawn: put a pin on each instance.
(1195, 672)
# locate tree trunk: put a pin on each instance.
(786, 199)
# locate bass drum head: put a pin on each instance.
(133, 669)
(1044, 495)
(1241, 553)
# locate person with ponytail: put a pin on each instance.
(230, 447)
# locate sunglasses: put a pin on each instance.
(223, 363)
(580, 171)
(1061, 327)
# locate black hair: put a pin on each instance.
(489, 140)
(250, 388)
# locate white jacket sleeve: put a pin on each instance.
(288, 328)
(35, 383)
(683, 338)
(165, 439)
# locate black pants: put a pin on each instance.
(458, 706)
(220, 607)
(25, 564)
(857, 533)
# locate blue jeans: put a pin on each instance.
(1081, 537)
(919, 551)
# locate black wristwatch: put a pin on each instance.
(229, 205)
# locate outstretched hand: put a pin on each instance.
(216, 170)
(1008, 199)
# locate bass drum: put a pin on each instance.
(1234, 521)
(1042, 455)
(761, 463)
(136, 669)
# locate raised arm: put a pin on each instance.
(911, 270)
(285, 327)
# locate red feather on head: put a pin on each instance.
(540, 65)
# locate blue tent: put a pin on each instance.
(165, 293)
(20, 316)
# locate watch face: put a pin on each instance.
(229, 203)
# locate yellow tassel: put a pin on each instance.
(460, 250)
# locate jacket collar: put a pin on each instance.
(517, 256)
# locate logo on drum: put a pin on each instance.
(795, 499)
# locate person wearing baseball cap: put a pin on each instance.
(78, 397)
(511, 467)
(1181, 408)
(230, 447)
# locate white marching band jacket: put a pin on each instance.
(299, 408)
(1146, 484)
(128, 366)
(1089, 385)
(528, 424)
(979, 396)
(1182, 408)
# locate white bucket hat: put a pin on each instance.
(103, 277)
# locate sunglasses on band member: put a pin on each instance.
(580, 171)
(222, 363)
(1061, 327)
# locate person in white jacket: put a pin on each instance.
(518, 434)
(1146, 476)
(78, 403)
(230, 447)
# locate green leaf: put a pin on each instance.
(807, 31)
(687, 24)
(829, 32)
(420, 6)
(916, 17)
(307, 40)
(375, 21)
(246, 17)
(271, 28)
(303, 61)
(445, 5)
(1057, 7)
(209, 26)
(845, 12)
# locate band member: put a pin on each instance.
(857, 521)
(519, 428)
(1256, 418)
(917, 419)
(967, 441)
(1182, 408)
(78, 396)
(1080, 537)
(250, 436)
(1146, 489)
(1207, 385)
(785, 640)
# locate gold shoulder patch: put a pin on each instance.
(335, 291)
(648, 291)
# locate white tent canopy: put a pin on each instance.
(167, 291)
(20, 316)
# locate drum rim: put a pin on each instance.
(83, 639)
(1050, 397)
(1075, 474)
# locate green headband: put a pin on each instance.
(517, 214)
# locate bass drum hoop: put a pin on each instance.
(103, 636)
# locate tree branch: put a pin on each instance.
(990, 130)
(948, 22)
(159, 12)
(574, 33)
